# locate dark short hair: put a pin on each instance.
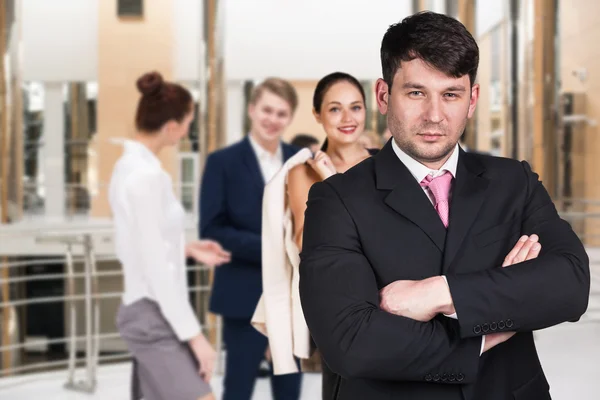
(439, 40)
(304, 140)
(328, 81)
(161, 102)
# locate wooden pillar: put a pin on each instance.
(17, 151)
(212, 59)
(4, 158)
(211, 139)
(544, 81)
(466, 15)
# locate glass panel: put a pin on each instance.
(80, 121)
(33, 124)
(187, 171)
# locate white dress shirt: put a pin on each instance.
(269, 162)
(420, 171)
(149, 237)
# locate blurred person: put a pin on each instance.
(339, 106)
(174, 360)
(231, 213)
(303, 140)
(370, 140)
(405, 280)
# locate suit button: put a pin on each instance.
(477, 329)
(428, 378)
(501, 325)
(485, 328)
(460, 377)
(509, 323)
(444, 377)
(493, 326)
(436, 378)
(452, 378)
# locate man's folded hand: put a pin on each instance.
(423, 300)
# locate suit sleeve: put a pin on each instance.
(535, 294)
(340, 300)
(214, 219)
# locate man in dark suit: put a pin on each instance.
(231, 213)
(405, 281)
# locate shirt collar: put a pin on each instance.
(135, 147)
(262, 153)
(420, 171)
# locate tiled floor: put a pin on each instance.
(570, 354)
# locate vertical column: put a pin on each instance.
(4, 132)
(544, 81)
(466, 15)
(53, 151)
(4, 272)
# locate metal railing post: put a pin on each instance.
(72, 316)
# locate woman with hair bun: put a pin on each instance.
(161, 330)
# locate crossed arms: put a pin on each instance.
(347, 315)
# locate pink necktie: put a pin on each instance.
(440, 188)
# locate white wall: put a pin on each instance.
(438, 6)
(60, 40)
(488, 14)
(188, 46)
(307, 39)
(287, 38)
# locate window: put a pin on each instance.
(130, 8)
(187, 189)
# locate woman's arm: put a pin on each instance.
(300, 180)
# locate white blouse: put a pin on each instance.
(150, 238)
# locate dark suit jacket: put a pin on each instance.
(231, 196)
(374, 225)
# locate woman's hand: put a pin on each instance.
(205, 355)
(322, 164)
(207, 252)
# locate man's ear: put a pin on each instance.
(473, 101)
(382, 95)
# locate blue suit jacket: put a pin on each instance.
(231, 196)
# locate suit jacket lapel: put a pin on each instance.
(468, 194)
(406, 196)
(251, 162)
(288, 151)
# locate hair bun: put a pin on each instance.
(150, 83)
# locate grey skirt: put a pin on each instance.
(165, 368)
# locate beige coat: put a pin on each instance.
(279, 313)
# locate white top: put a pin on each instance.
(420, 171)
(150, 238)
(270, 163)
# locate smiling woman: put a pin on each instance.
(339, 107)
